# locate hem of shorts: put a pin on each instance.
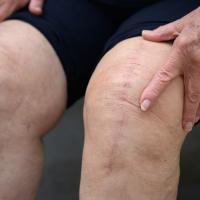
(131, 32)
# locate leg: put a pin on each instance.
(129, 154)
(33, 97)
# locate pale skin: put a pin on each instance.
(28, 82)
(30, 105)
(183, 60)
(27, 93)
(7, 7)
(130, 154)
(135, 155)
(122, 160)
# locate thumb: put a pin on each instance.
(36, 6)
(164, 33)
(160, 81)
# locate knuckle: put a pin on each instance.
(193, 97)
(189, 116)
(164, 76)
(154, 93)
(182, 43)
(160, 29)
(177, 25)
(188, 119)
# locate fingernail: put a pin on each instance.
(188, 126)
(146, 31)
(197, 119)
(145, 105)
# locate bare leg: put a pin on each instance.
(32, 99)
(129, 154)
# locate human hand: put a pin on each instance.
(7, 7)
(184, 60)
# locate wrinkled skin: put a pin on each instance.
(7, 7)
(184, 60)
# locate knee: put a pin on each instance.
(112, 85)
(29, 104)
(112, 104)
(116, 85)
(28, 110)
(109, 97)
(122, 75)
(128, 137)
(33, 90)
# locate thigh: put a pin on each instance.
(77, 30)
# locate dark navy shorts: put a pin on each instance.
(81, 31)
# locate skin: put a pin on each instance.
(30, 106)
(7, 7)
(130, 154)
(28, 109)
(183, 61)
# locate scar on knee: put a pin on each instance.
(112, 165)
(114, 161)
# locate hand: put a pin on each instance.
(184, 60)
(7, 7)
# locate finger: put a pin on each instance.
(160, 81)
(36, 6)
(164, 33)
(197, 115)
(189, 115)
(5, 10)
(191, 105)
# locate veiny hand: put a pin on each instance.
(7, 7)
(184, 60)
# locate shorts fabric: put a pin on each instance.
(81, 31)
(77, 30)
(151, 17)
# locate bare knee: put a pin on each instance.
(32, 86)
(112, 104)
